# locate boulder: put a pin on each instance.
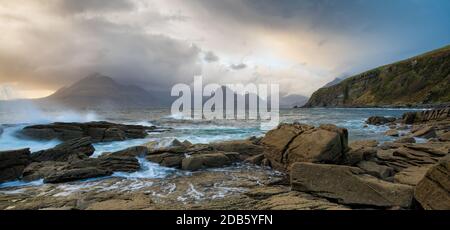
(426, 116)
(303, 143)
(99, 131)
(445, 136)
(433, 191)
(424, 132)
(203, 161)
(172, 160)
(377, 120)
(70, 150)
(363, 144)
(392, 133)
(12, 164)
(257, 160)
(405, 140)
(245, 148)
(108, 163)
(412, 175)
(376, 170)
(349, 185)
(76, 174)
(356, 155)
(39, 170)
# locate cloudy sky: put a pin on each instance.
(301, 45)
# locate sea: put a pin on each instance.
(182, 128)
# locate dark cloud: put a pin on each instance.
(210, 57)
(238, 66)
(79, 6)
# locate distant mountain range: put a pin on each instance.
(419, 81)
(102, 91)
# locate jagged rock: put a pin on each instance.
(303, 143)
(433, 191)
(356, 155)
(349, 185)
(202, 161)
(172, 160)
(376, 170)
(76, 174)
(377, 120)
(99, 131)
(426, 116)
(392, 133)
(405, 140)
(257, 160)
(135, 151)
(12, 164)
(412, 175)
(70, 150)
(424, 132)
(39, 170)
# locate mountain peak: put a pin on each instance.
(96, 79)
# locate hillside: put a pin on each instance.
(421, 80)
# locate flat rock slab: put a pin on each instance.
(348, 185)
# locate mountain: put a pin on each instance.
(418, 81)
(102, 91)
(293, 100)
(333, 82)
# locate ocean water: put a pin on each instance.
(195, 131)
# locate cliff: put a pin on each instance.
(418, 81)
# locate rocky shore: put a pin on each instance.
(295, 166)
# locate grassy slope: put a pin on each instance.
(424, 79)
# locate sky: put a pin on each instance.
(300, 45)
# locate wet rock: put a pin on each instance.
(349, 185)
(303, 143)
(376, 170)
(392, 133)
(12, 164)
(405, 140)
(39, 170)
(98, 131)
(377, 120)
(108, 163)
(257, 160)
(76, 174)
(70, 150)
(412, 175)
(172, 160)
(203, 161)
(135, 151)
(433, 191)
(424, 132)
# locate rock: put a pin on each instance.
(412, 175)
(405, 140)
(245, 148)
(108, 163)
(257, 160)
(444, 136)
(424, 132)
(202, 161)
(1, 131)
(377, 120)
(363, 144)
(349, 185)
(75, 174)
(356, 155)
(74, 149)
(392, 133)
(151, 145)
(303, 143)
(12, 164)
(99, 131)
(187, 143)
(376, 170)
(136, 151)
(172, 160)
(426, 116)
(39, 170)
(433, 191)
